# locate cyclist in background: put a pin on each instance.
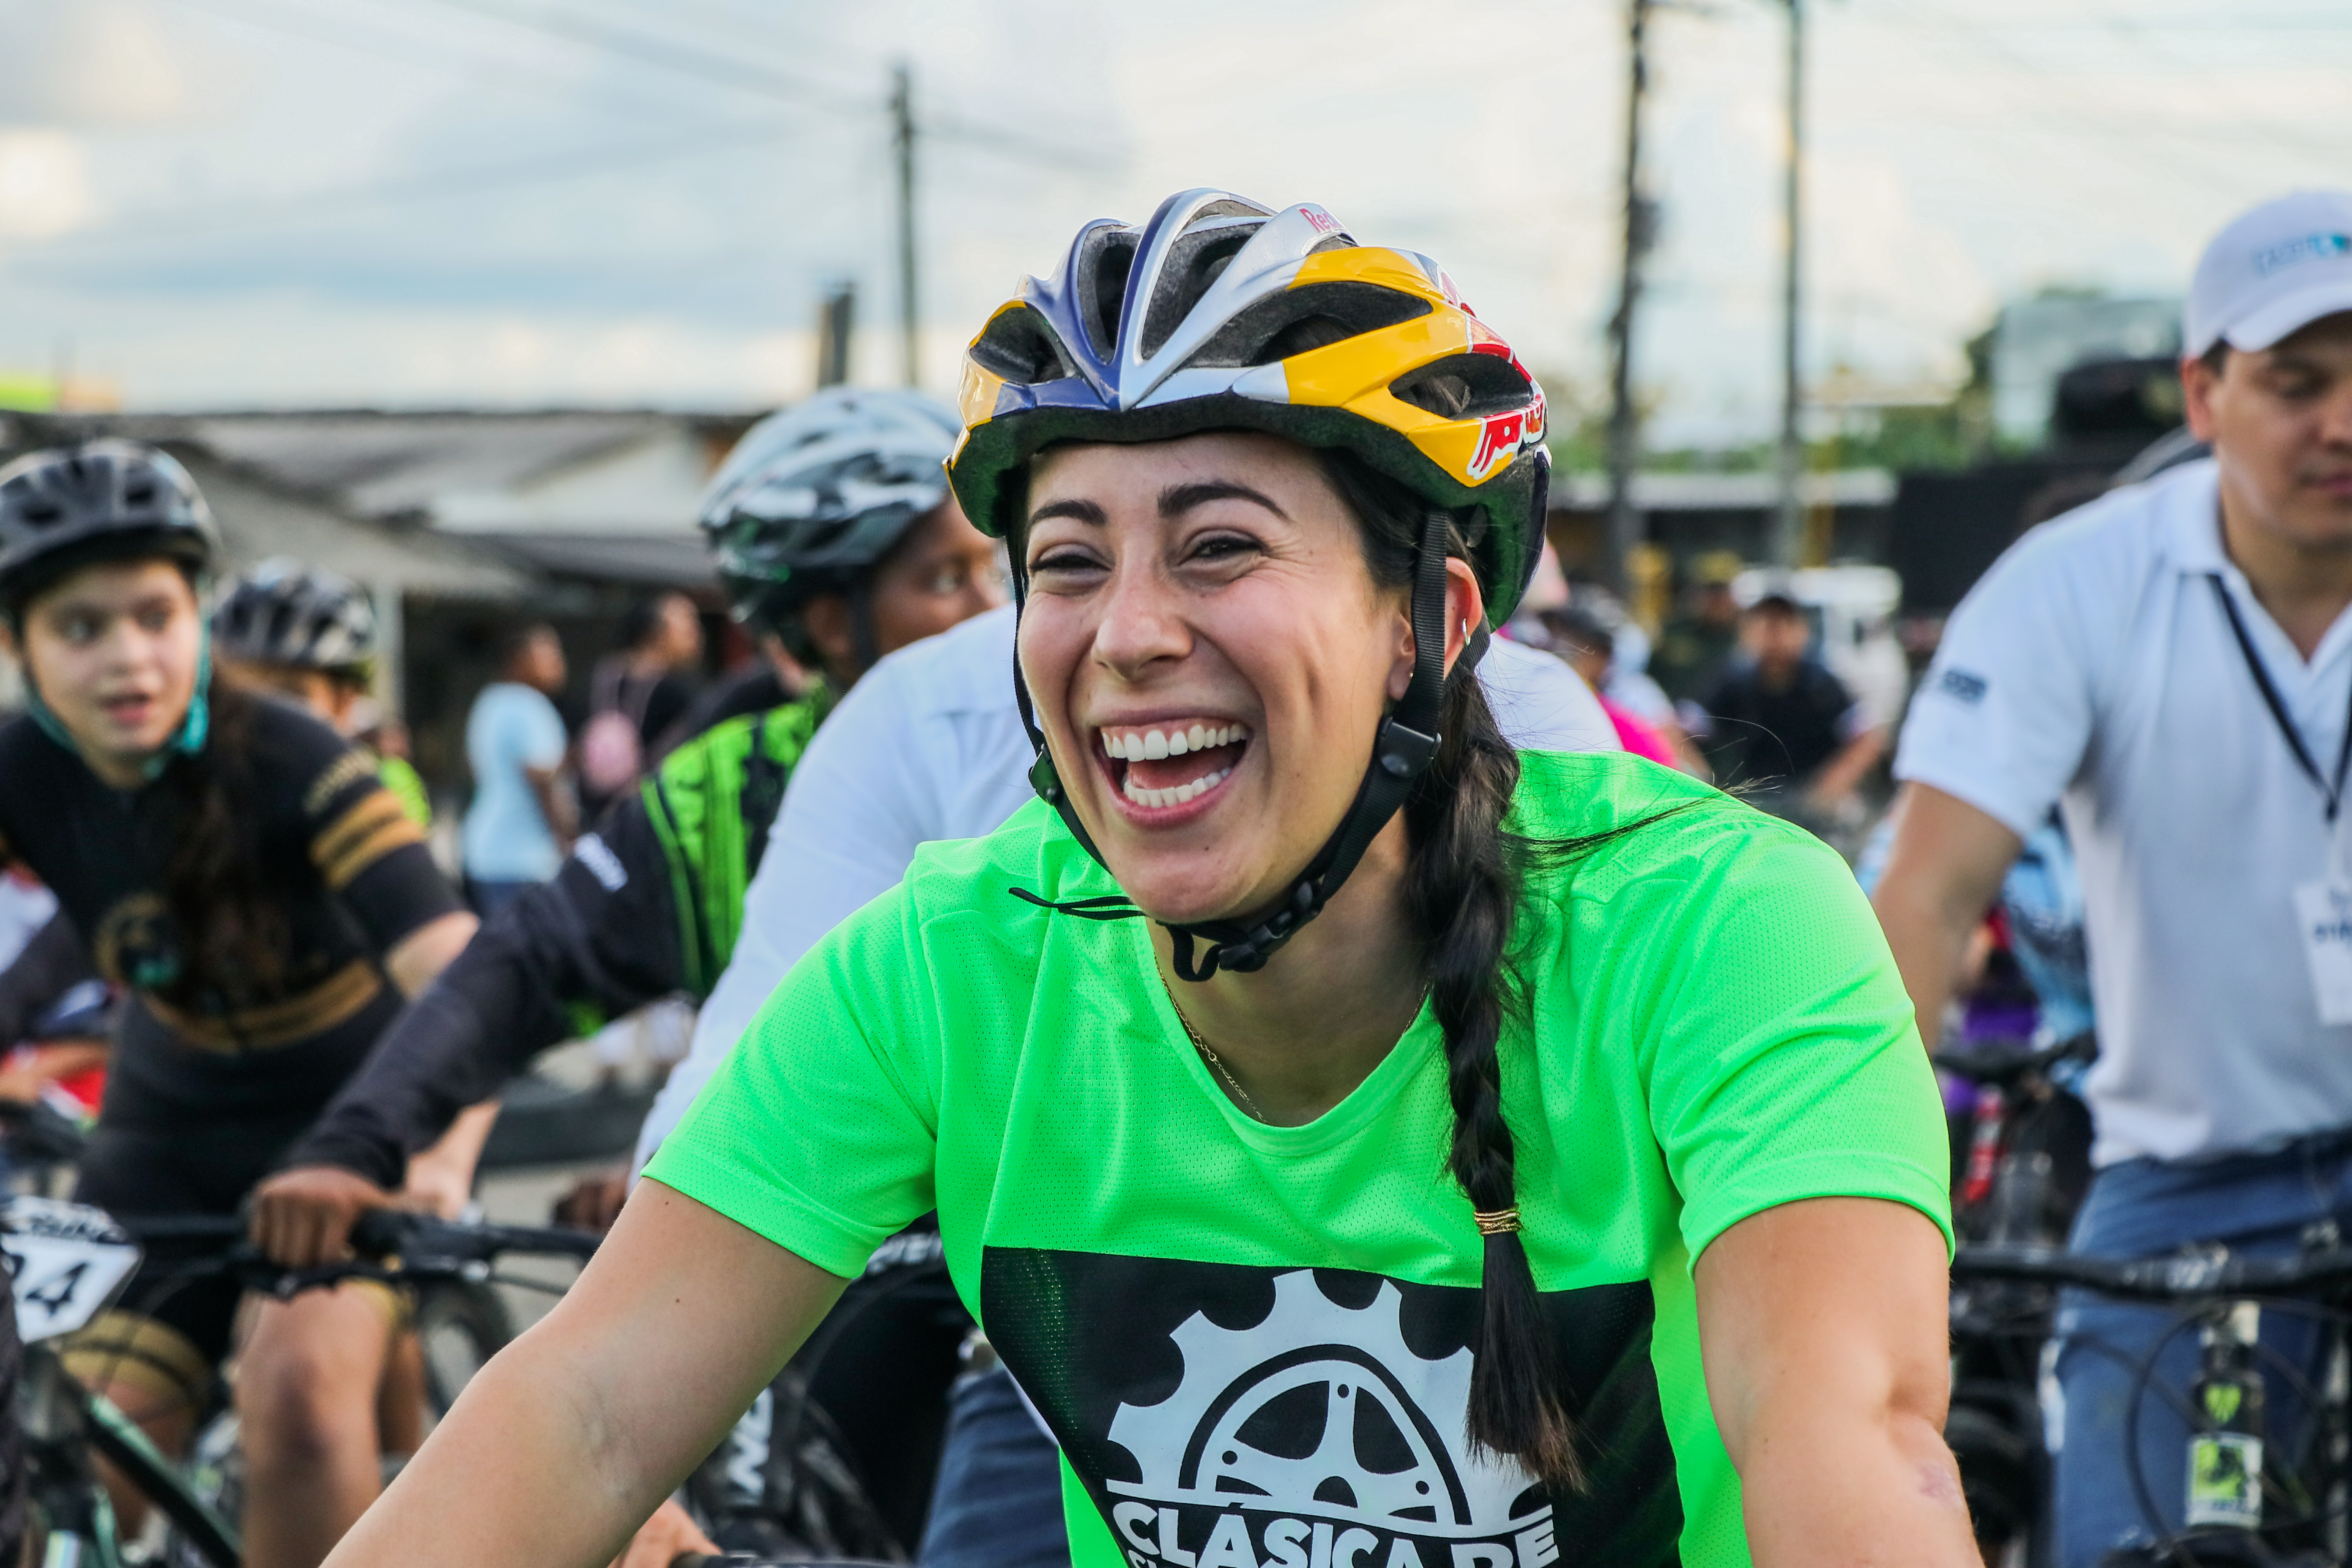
(2171, 666)
(834, 532)
(309, 634)
(1190, 1174)
(837, 541)
(264, 900)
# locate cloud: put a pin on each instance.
(96, 62)
(43, 185)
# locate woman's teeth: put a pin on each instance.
(1177, 796)
(1151, 746)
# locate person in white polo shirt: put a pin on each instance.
(2172, 666)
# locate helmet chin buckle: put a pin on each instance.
(1402, 754)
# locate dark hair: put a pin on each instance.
(644, 622)
(1578, 631)
(1778, 605)
(1462, 891)
(514, 640)
(232, 933)
(2217, 358)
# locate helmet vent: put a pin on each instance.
(1465, 386)
(1104, 262)
(1299, 319)
(1018, 347)
(1195, 261)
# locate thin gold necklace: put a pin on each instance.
(1249, 1106)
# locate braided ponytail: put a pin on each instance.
(1462, 890)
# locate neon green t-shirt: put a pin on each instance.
(1253, 1342)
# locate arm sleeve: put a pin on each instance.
(820, 1129)
(602, 932)
(541, 737)
(854, 813)
(2004, 715)
(52, 964)
(1782, 1061)
(367, 849)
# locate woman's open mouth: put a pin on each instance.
(1169, 763)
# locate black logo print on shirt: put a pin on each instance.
(1230, 1417)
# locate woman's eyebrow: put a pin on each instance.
(1178, 500)
(1076, 508)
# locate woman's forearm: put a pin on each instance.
(573, 1434)
(530, 1466)
(1822, 1326)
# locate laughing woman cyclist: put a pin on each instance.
(263, 898)
(1545, 1171)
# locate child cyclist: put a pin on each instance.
(264, 902)
(1369, 1147)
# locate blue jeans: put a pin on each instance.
(2252, 1203)
(998, 1503)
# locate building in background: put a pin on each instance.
(453, 519)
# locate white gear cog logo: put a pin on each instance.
(1388, 1449)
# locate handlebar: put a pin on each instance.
(2004, 1066)
(393, 1244)
(2196, 1273)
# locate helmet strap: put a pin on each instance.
(1402, 749)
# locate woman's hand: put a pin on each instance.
(1823, 1326)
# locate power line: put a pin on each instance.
(648, 48)
(143, 227)
(304, 24)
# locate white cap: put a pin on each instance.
(2272, 272)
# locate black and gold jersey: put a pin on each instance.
(345, 865)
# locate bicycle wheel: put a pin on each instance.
(460, 1327)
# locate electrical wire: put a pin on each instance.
(143, 228)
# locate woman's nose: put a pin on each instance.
(1141, 622)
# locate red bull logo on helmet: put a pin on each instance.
(1503, 436)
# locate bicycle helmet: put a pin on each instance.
(68, 506)
(811, 499)
(286, 612)
(1221, 313)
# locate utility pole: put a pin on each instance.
(1787, 518)
(836, 319)
(1623, 525)
(902, 121)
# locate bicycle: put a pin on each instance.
(69, 1261)
(2022, 1174)
(2246, 1501)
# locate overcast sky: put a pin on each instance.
(298, 202)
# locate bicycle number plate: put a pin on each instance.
(2225, 1480)
(69, 1261)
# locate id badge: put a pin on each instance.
(2322, 917)
(2323, 912)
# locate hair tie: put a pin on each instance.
(1496, 1221)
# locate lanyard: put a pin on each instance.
(2331, 794)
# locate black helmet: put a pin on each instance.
(102, 499)
(285, 612)
(813, 498)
